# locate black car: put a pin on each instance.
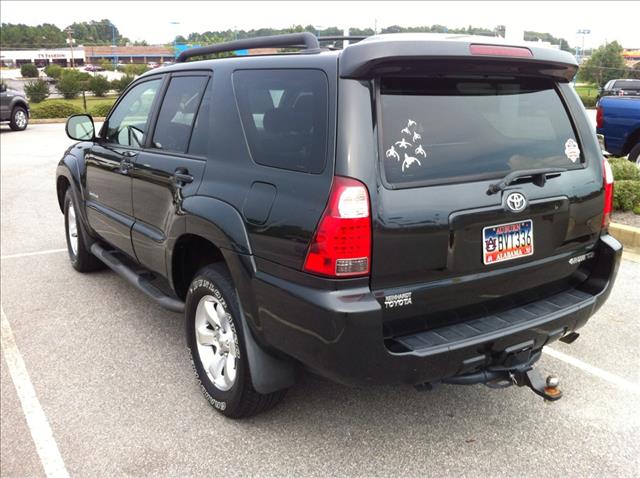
(14, 108)
(621, 87)
(412, 209)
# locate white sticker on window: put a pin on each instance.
(571, 150)
(409, 146)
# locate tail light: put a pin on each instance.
(599, 117)
(498, 50)
(608, 194)
(341, 246)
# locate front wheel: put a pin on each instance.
(19, 119)
(80, 256)
(216, 346)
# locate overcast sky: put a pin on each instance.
(151, 21)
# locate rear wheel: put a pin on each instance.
(19, 119)
(79, 254)
(634, 154)
(216, 345)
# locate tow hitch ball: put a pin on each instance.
(547, 389)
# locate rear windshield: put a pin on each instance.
(627, 85)
(442, 130)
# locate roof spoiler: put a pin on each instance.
(389, 55)
(305, 40)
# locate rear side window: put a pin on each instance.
(445, 130)
(284, 116)
(627, 85)
(178, 112)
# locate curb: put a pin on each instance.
(629, 236)
(57, 120)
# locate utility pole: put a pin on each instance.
(69, 32)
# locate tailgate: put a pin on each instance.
(439, 233)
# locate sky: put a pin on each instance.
(152, 21)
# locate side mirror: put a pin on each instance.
(3, 87)
(80, 128)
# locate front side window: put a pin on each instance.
(129, 122)
(284, 114)
(178, 112)
(447, 129)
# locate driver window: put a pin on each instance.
(129, 121)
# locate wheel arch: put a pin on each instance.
(631, 141)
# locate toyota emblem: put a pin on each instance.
(515, 202)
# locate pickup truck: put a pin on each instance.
(618, 123)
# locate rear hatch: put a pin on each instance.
(450, 241)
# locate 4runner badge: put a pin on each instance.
(397, 300)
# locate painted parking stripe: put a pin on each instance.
(38, 253)
(36, 419)
(598, 372)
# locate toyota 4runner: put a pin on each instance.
(409, 209)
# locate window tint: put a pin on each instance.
(130, 119)
(178, 112)
(284, 115)
(456, 129)
(199, 145)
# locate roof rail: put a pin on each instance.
(338, 38)
(305, 40)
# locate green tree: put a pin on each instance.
(121, 84)
(29, 70)
(99, 85)
(37, 90)
(53, 70)
(606, 63)
(71, 83)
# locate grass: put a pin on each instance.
(91, 101)
(588, 94)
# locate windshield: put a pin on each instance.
(627, 85)
(439, 130)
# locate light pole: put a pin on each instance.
(175, 37)
(582, 32)
(114, 46)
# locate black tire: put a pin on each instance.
(634, 154)
(15, 123)
(241, 400)
(82, 260)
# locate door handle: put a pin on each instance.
(181, 175)
(125, 165)
(129, 154)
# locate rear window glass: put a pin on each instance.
(439, 130)
(627, 85)
(284, 115)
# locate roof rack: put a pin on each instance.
(338, 38)
(305, 40)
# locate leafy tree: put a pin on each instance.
(606, 63)
(106, 64)
(99, 85)
(29, 70)
(53, 70)
(25, 36)
(37, 90)
(121, 84)
(71, 83)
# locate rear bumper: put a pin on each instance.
(338, 333)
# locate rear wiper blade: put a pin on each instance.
(538, 177)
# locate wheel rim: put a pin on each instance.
(217, 342)
(72, 229)
(20, 119)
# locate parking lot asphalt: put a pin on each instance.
(111, 373)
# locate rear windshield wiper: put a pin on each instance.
(538, 177)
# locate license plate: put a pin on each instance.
(507, 241)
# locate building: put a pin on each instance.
(129, 54)
(43, 57)
(81, 55)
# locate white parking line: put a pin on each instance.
(27, 254)
(598, 372)
(36, 419)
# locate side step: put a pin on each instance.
(136, 279)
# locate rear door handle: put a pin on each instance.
(126, 165)
(181, 175)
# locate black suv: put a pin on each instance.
(410, 209)
(14, 108)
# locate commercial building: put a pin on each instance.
(43, 57)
